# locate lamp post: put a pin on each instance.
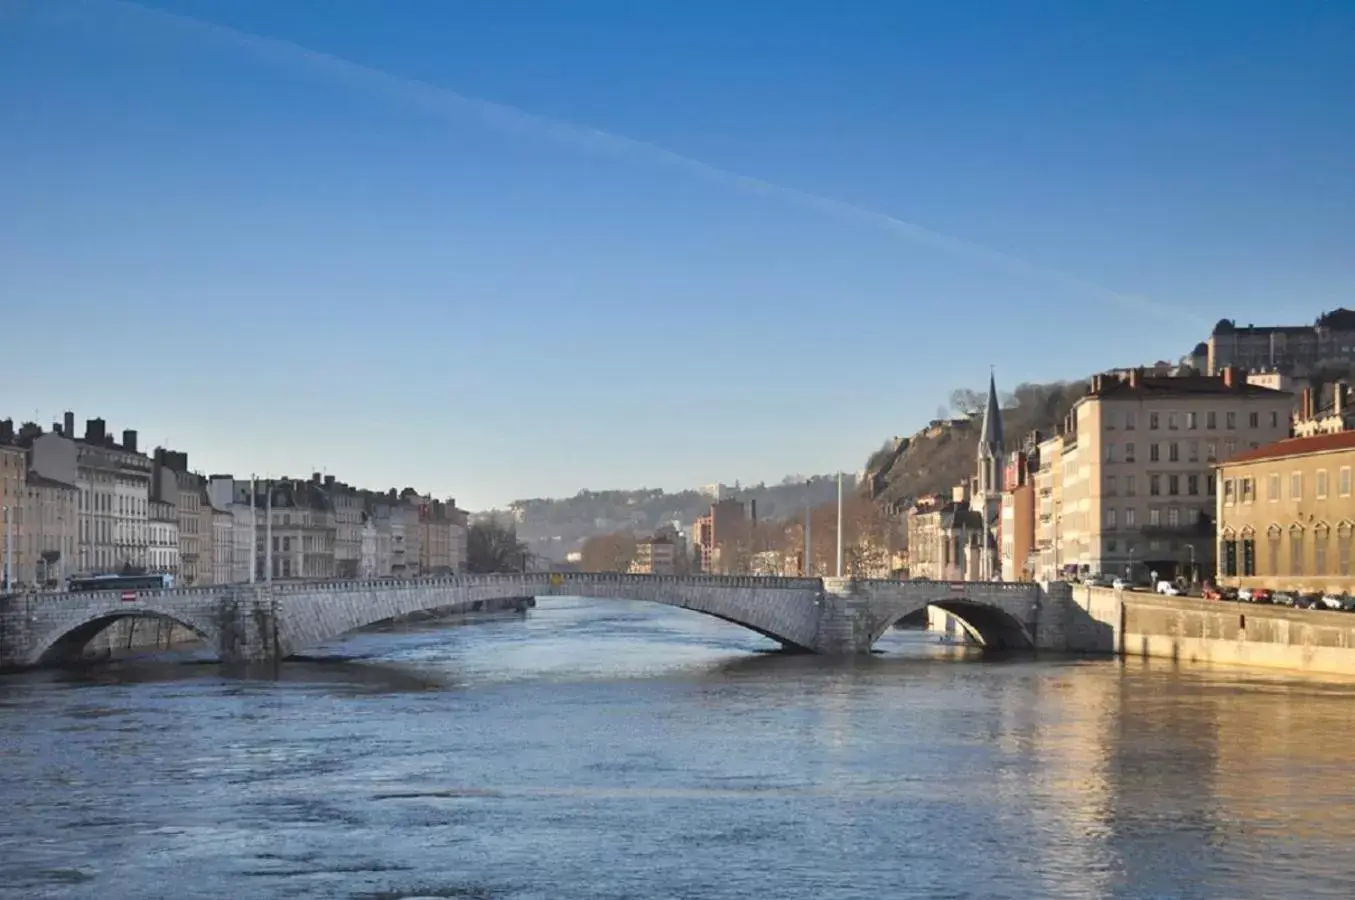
(9, 532)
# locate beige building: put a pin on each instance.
(51, 517)
(1048, 480)
(945, 538)
(163, 540)
(302, 534)
(13, 490)
(656, 555)
(1287, 515)
(1135, 489)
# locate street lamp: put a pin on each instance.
(8, 561)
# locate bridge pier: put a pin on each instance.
(845, 621)
(247, 626)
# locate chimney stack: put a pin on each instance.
(129, 440)
(315, 477)
(1136, 377)
(329, 481)
(1338, 398)
(68, 425)
(1230, 376)
(7, 431)
(1305, 404)
(1098, 382)
(58, 428)
(95, 432)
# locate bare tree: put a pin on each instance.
(608, 552)
(965, 402)
(493, 546)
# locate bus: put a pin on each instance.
(120, 583)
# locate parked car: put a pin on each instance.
(1168, 588)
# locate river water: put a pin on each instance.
(597, 749)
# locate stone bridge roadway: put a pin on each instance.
(254, 623)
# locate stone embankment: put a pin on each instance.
(1188, 629)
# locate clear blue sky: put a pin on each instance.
(214, 231)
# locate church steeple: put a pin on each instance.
(991, 448)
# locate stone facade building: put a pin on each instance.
(163, 539)
(1288, 348)
(51, 516)
(1286, 515)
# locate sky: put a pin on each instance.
(515, 249)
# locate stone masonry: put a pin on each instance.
(249, 623)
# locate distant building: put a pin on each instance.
(1292, 348)
(655, 556)
(1019, 559)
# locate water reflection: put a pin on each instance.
(621, 750)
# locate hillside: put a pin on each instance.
(942, 454)
(554, 526)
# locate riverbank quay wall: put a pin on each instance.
(1189, 629)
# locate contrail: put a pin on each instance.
(445, 102)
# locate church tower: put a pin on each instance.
(988, 484)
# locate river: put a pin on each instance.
(598, 749)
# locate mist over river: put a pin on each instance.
(601, 749)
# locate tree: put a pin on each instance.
(608, 552)
(492, 546)
(965, 402)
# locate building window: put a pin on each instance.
(1129, 452)
(1193, 485)
(1320, 485)
(1153, 455)
(1152, 421)
(1321, 536)
(1254, 420)
(1229, 557)
(1154, 517)
(1171, 421)
(1229, 491)
(1343, 482)
(1193, 449)
(1154, 485)
(1210, 420)
(1110, 486)
(1274, 419)
(1273, 542)
(1110, 453)
(1110, 420)
(1192, 421)
(1248, 556)
(1173, 517)
(1130, 485)
(1110, 520)
(1211, 451)
(1174, 485)
(1248, 488)
(1129, 517)
(1129, 421)
(1343, 535)
(1296, 550)
(1230, 421)
(1173, 452)
(1273, 487)
(1296, 486)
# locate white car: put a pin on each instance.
(1166, 587)
(1120, 584)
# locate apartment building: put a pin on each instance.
(162, 544)
(1291, 348)
(348, 526)
(114, 484)
(945, 538)
(1048, 481)
(657, 555)
(51, 518)
(302, 533)
(1286, 515)
(1017, 531)
(13, 489)
(224, 549)
(442, 535)
(1136, 469)
(725, 522)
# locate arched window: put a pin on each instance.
(1296, 549)
(1248, 551)
(1321, 537)
(1228, 552)
(1344, 531)
(1273, 534)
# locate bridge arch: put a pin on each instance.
(990, 626)
(65, 641)
(786, 611)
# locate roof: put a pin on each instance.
(36, 480)
(1318, 443)
(1180, 386)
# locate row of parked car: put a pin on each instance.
(1297, 600)
(1311, 600)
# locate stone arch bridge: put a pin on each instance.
(251, 623)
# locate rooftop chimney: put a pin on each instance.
(329, 481)
(1098, 382)
(68, 425)
(1305, 404)
(1230, 376)
(1136, 377)
(129, 440)
(7, 431)
(1339, 398)
(315, 477)
(57, 428)
(95, 431)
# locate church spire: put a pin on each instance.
(990, 437)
